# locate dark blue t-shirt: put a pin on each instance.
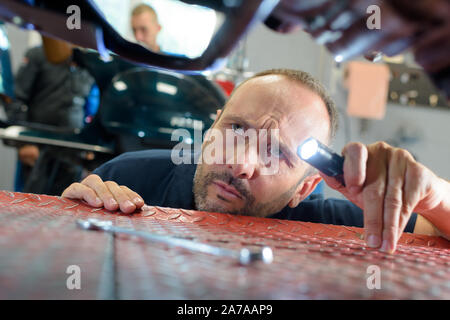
(154, 176)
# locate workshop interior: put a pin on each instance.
(81, 84)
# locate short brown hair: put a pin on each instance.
(311, 83)
(141, 8)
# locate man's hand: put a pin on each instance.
(389, 185)
(28, 154)
(98, 193)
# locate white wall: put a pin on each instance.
(267, 49)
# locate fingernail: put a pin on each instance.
(112, 202)
(137, 200)
(386, 247)
(128, 204)
(98, 201)
(373, 241)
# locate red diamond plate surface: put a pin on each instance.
(39, 240)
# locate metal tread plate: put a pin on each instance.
(39, 240)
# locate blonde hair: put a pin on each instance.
(141, 8)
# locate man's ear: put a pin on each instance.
(304, 189)
(218, 113)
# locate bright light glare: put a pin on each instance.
(267, 255)
(120, 85)
(186, 29)
(308, 149)
(166, 88)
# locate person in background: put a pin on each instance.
(146, 27)
(50, 89)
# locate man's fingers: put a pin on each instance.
(28, 154)
(411, 196)
(373, 197)
(28, 161)
(393, 200)
(109, 194)
(134, 197)
(412, 193)
(125, 203)
(80, 191)
(332, 182)
(355, 166)
(94, 182)
(403, 220)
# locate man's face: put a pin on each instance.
(268, 102)
(145, 29)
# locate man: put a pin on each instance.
(386, 182)
(54, 92)
(146, 27)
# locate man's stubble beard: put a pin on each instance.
(202, 203)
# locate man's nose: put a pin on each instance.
(245, 170)
(139, 36)
(244, 163)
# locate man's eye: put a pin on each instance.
(275, 151)
(237, 128)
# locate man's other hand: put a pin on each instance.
(389, 185)
(98, 193)
(28, 154)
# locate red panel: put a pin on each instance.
(39, 239)
(38, 242)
